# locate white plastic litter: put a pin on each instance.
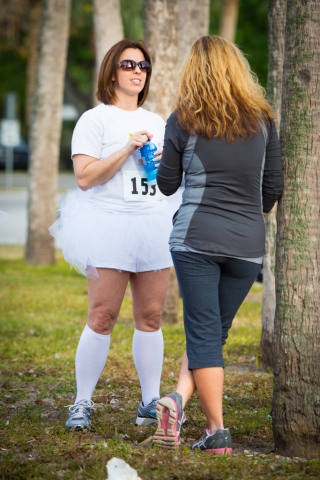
(119, 470)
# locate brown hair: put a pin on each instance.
(219, 95)
(108, 69)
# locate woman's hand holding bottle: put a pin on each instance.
(137, 140)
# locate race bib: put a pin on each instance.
(136, 188)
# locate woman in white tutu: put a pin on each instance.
(115, 228)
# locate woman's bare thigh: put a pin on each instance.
(105, 295)
(148, 296)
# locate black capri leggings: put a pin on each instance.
(212, 289)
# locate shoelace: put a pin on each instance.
(79, 409)
(150, 407)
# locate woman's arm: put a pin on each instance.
(170, 171)
(91, 172)
(272, 185)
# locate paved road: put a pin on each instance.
(14, 201)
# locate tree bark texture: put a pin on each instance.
(108, 30)
(34, 24)
(170, 312)
(266, 357)
(193, 23)
(296, 402)
(229, 19)
(73, 95)
(171, 27)
(45, 130)
(161, 37)
(276, 20)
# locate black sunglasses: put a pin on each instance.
(130, 65)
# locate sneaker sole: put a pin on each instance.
(167, 415)
(215, 451)
(145, 421)
(77, 428)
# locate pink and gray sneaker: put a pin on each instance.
(218, 443)
(170, 417)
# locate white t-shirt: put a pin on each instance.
(105, 129)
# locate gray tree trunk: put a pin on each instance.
(296, 403)
(74, 96)
(171, 27)
(108, 30)
(193, 23)
(34, 24)
(229, 19)
(161, 37)
(170, 312)
(276, 19)
(45, 130)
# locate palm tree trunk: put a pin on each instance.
(108, 30)
(45, 130)
(170, 312)
(229, 19)
(171, 27)
(276, 18)
(193, 23)
(35, 15)
(161, 37)
(296, 402)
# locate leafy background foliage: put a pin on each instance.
(251, 37)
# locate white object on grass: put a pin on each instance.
(119, 470)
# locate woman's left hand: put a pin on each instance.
(157, 158)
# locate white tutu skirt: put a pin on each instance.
(92, 238)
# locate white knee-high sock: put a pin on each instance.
(91, 357)
(147, 351)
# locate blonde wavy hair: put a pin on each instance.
(219, 95)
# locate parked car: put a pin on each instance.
(20, 156)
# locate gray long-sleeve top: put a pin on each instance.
(227, 187)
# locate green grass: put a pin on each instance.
(43, 311)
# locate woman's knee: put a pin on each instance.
(149, 322)
(101, 321)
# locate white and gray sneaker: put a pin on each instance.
(146, 415)
(217, 443)
(79, 418)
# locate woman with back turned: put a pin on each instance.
(222, 137)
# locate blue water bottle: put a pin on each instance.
(147, 155)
